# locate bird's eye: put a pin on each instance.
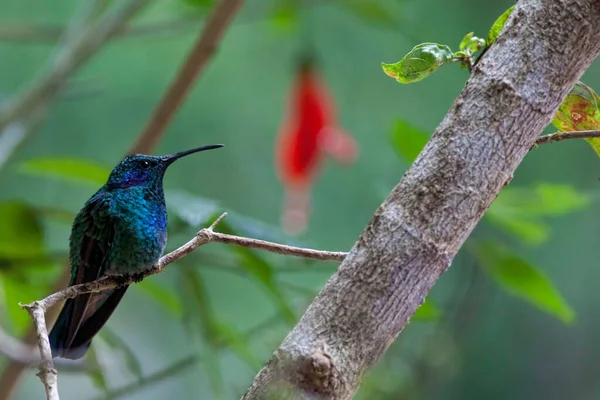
(145, 164)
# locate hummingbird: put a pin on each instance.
(120, 231)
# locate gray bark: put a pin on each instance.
(511, 96)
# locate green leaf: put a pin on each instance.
(260, 269)
(408, 140)
(532, 231)
(164, 295)
(428, 311)
(68, 169)
(556, 199)
(519, 210)
(196, 211)
(471, 44)
(16, 292)
(201, 312)
(579, 112)
(56, 214)
(192, 210)
(371, 11)
(131, 361)
(259, 230)
(211, 358)
(202, 4)
(498, 25)
(98, 380)
(237, 343)
(284, 14)
(464, 43)
(419, 63)
(21, 232)
(518, 277)
(96, 374)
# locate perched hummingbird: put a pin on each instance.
(121, 230)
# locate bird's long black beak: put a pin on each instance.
(172, 157)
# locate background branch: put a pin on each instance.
(192, 67)
(172, 370)
(82, 41)
(17, 351)
(180, 365)
(24, 354)
(51, 33)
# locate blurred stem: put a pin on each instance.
(201, 52)
(181, 365)
(81, 42)
(14, 134)
(151, 379)
(51, 33)
(18, 352)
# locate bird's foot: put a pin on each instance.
(122, 280)
(137, 277)
(126, 279)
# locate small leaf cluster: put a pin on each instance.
(579, 110)
(425, 58)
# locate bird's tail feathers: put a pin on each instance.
(80, 320)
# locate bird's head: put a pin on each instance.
(144, 170)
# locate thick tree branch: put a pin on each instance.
(203, 49)
(512, 95)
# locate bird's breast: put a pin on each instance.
(140, 236)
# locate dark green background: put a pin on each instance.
(505, 350)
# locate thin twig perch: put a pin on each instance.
(559, 136)
(48, 374)
(37, 309)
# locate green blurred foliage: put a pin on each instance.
(408, 140)
(520, 211)
(21, 232)
(427, 312)
(204, 327)
(522, 279)
(67, 169)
